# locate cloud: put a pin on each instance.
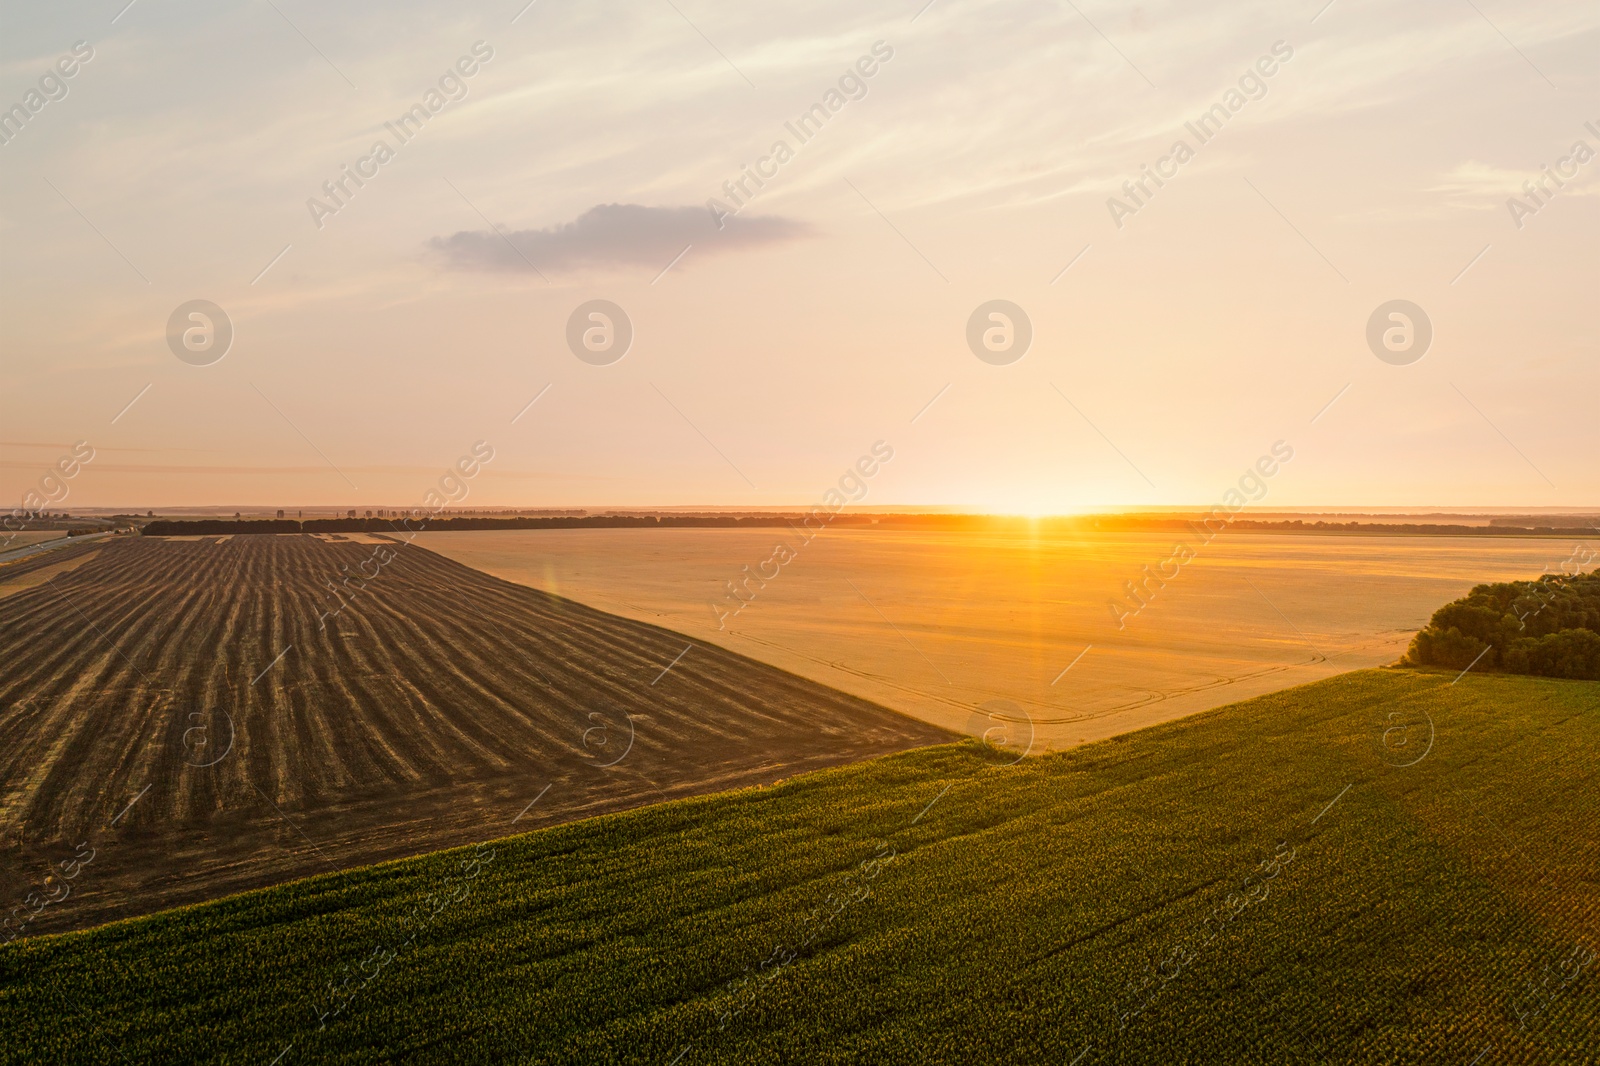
(1473, 184)
(612, 235)
(1474, 179)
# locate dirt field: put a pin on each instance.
(19, 573)
(175, 708)
(938, 624)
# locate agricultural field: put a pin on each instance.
(1388, 866)
(36, 568)
(934, 624)
(28, 538)
(192, 718)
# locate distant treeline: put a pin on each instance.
(163, 527)
(1544, 521)
(942, 522)
(1549, 627)
(1125, 523)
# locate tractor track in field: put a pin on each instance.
(263, 745)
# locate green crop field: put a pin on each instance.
(1383, 867)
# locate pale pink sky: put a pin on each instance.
(975, 163)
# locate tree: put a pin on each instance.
(1549, 627)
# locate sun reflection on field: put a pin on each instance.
(936, 623)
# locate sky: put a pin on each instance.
(956, 154)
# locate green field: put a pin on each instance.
(1268, 882)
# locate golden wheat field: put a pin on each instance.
(938, 624)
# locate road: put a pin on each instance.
(49, 545)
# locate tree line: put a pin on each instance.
(1549, 627)
(168, 527)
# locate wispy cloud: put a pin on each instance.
(1491, 185)
(612, 235)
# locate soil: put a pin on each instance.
(205, 718)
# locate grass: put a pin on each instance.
(939, 906)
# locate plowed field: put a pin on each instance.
(187, 711)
